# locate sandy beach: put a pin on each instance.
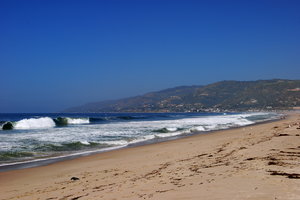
(254, 162)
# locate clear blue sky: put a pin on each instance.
(57, 54)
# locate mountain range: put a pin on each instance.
(220, 96)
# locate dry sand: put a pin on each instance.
(254, 162)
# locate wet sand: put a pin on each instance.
(253, 162)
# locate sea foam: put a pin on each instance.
(78, 120)
(72, 134)
(35, 123)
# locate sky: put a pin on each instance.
(56, 54)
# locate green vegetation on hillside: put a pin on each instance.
(220, 96)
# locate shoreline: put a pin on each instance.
(198, 166)
(44, 161)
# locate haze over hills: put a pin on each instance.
(219, 96)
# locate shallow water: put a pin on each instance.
(42, 136)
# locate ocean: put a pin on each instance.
(28, 138)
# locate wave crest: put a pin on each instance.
(35, 123)
(7, 126)
(166, 130)
(197, 129)
(63, 121)
(78, 120)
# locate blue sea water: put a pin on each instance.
(41, 136)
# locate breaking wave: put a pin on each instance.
(78, 120)
(42, 123)
(7, 125)
(47, 135)
(32, 123)
(48, 122)
(197, 129)
(167, 130)
(63, 121)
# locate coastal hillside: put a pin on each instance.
(219, 96)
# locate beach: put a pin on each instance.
(253, 162)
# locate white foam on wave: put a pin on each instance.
(223, 122)
(35, 123)
(114, 133)
(85, 142)
(116, 142)
(142, 139)
(172, 134)
(172, 129)
(78, 120)
(198, 128)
